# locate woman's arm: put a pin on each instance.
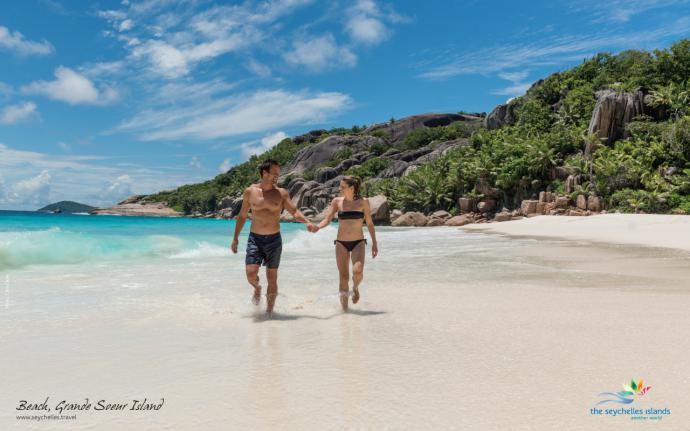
(370, 226)
(329, 215)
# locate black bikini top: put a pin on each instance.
(345, 215)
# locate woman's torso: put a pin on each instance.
(350, 219)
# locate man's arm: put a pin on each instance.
(241, 218)
(370, 226)
(329, 214)
(292, 209)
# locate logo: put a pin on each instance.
(627, 395)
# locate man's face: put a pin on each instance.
(273, 174)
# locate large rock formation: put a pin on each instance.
(399, 129)
(502, 115)
(613, 111)
(137, 206)
(380, 209)
(314, 155)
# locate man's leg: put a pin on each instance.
(272, 291)
(253, 279)
(342, 258)
(357, 257)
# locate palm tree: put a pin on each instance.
(674, 97)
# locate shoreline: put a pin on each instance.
(646, 230)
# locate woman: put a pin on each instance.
(350, 245)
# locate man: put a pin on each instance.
(265, 244)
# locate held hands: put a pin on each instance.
(311, 227)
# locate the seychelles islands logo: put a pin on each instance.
(630, 392)
(627, 395)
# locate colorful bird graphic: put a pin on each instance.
(627, 395)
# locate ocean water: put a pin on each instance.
(32, 238)
(64, 267)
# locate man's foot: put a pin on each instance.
(256, 299)
(355, 295)
(270, 302)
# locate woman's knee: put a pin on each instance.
(358, 269)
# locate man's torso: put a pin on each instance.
(265, 207)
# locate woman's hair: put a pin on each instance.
(355, 182)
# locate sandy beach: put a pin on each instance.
(456, 329)
(650, 230)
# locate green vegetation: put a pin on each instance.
(423, 136)
(550, 131)
(205, 196)
(648, 171)
(370, 168)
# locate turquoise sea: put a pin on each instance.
(33, 238)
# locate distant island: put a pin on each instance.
(66, 207)
(610, 134)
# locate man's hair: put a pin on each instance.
(266, 166)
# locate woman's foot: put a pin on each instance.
(344, 298)
(355, 294)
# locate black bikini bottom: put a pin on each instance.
(350, 245)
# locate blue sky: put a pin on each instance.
(101, 100)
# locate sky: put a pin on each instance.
(100, 100)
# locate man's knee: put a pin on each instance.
(252, 271)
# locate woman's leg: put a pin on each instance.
(342, 258)
(357, 257)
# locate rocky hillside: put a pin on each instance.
(314, 163)
(612, 133)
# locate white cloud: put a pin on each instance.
(552, 51)
(165, 59)
(3, 191)
(195, 163)
(73, 88)
(517, 88)
(266, 143)
(258, 68)
(20, 112)
(172, 44)
(237, 114)
(64, 147)
(621, 10)
(80, 178)
(118, 189)
(319, 53)
(365, 24)
(224, 167)
(15, 41)
(126, 25)
(31, 191)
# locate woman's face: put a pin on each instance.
(345, 189)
